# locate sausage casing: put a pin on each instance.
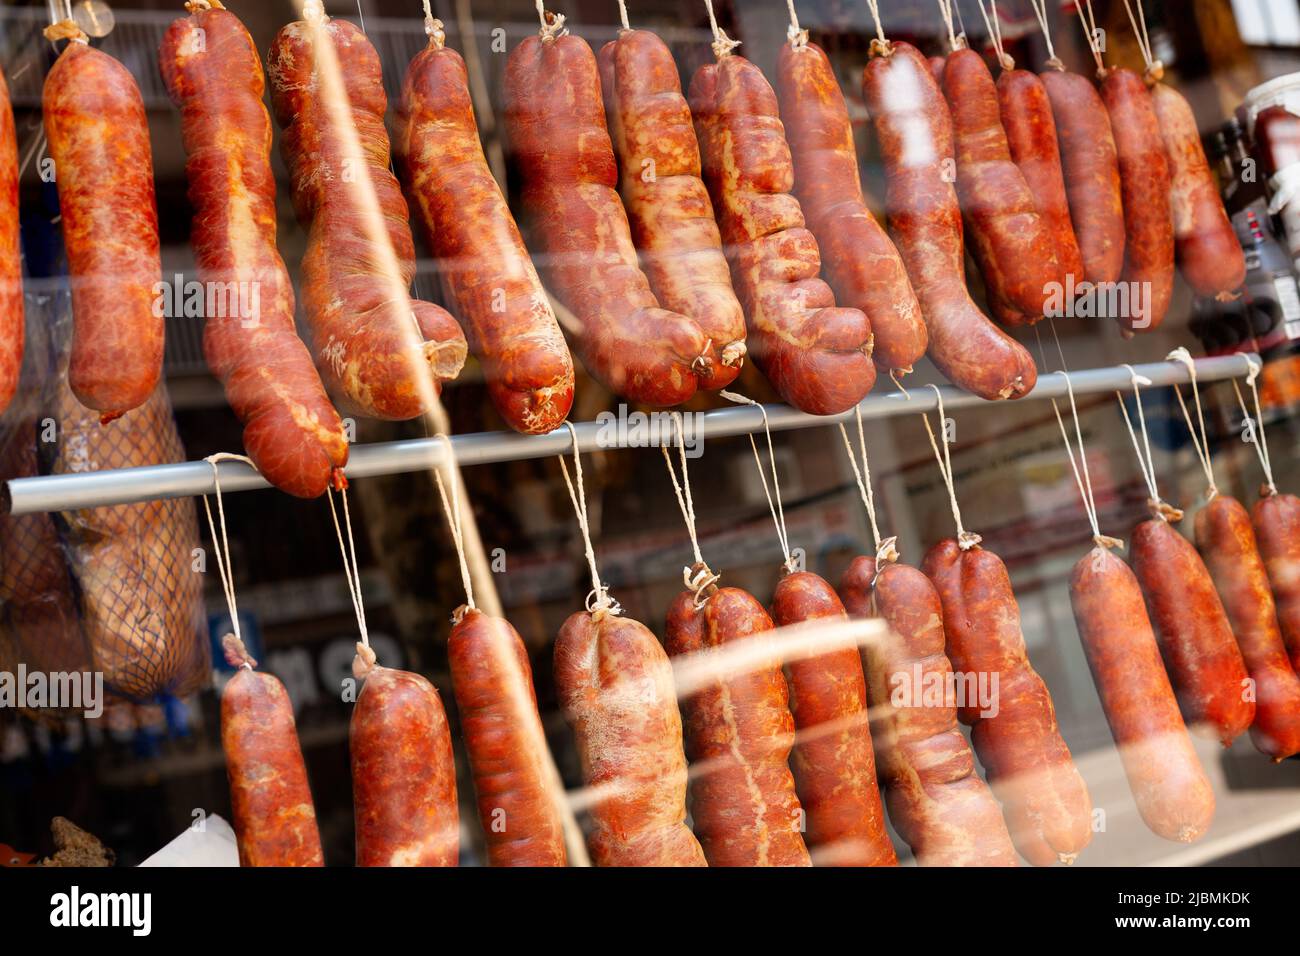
(739, 732)
(1090, 165)
(99, 141)
(273, 814)
(816, 355)
(833, 761)
(214, 74)
(403, 773)
(937, 802)
(486, 273)
(1145, 185)
(1227, 544)
(1276, 518)
(914, 131)
(1205, 664)
(1164, 773)
(667, 204)
(493, 684)
(1049, 811)
(615, 685)
(859, 259)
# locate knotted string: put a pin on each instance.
(598, 602)
(1155, 69)
(965, 539)
(552, 23)
(797, 37)
(1040, 12)
(995, 34)
(433, 28)
(1082, 477)
(1089, 22)
(722, 44)
(879, 46)
(221, 544)
(778, 511)
(956, 41)
(1146, 463)
(1260, 439)
(1202, 445)
(452, 510)
(886, 550)
(698, 577)
(66, 30)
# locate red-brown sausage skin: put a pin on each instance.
(271, 806)
(1049, 812)
(1145, 184)
(1209, 254)
(1015, 250)
(914, 131)
(667, 203)
(555, 118)
(937, 802)
(12, 325)
(1276, 518)
(833, 761)
(360, 258)
(1031, 133)
(1168, 782)
(493, 684)
(739, 732)
(817, 356)
(486, 273)
(99, 141)
(1090, 164)
(214, 74)
(1227, 544)
(859, 259)
(1204, 662)
(403, 773)
(615, 685)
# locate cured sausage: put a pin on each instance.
(555, 120)
(486, 273)
(1276, 518)
(937, 802)
(360, 257)
(859, 259)
(1015, 251)
(615, 686)
(914, 131)
(291, 431)
(403, 770)
(1168, 782)
(1227, 544)
(505, 743)
(1030, 126)
(739, 732)
(667, 203)
(1047, 805)
(817, 356)
(1145, 185)
(1090, 166)
(833, 761)
(1210, 256)
(1204, 662)
(271, 806)
(937, 65)
(99, 141)
(12, 323)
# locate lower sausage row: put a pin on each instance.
(794, 718)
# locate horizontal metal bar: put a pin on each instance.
(128, 485)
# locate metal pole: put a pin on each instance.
(127, 485)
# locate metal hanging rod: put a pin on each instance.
(22, 496)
